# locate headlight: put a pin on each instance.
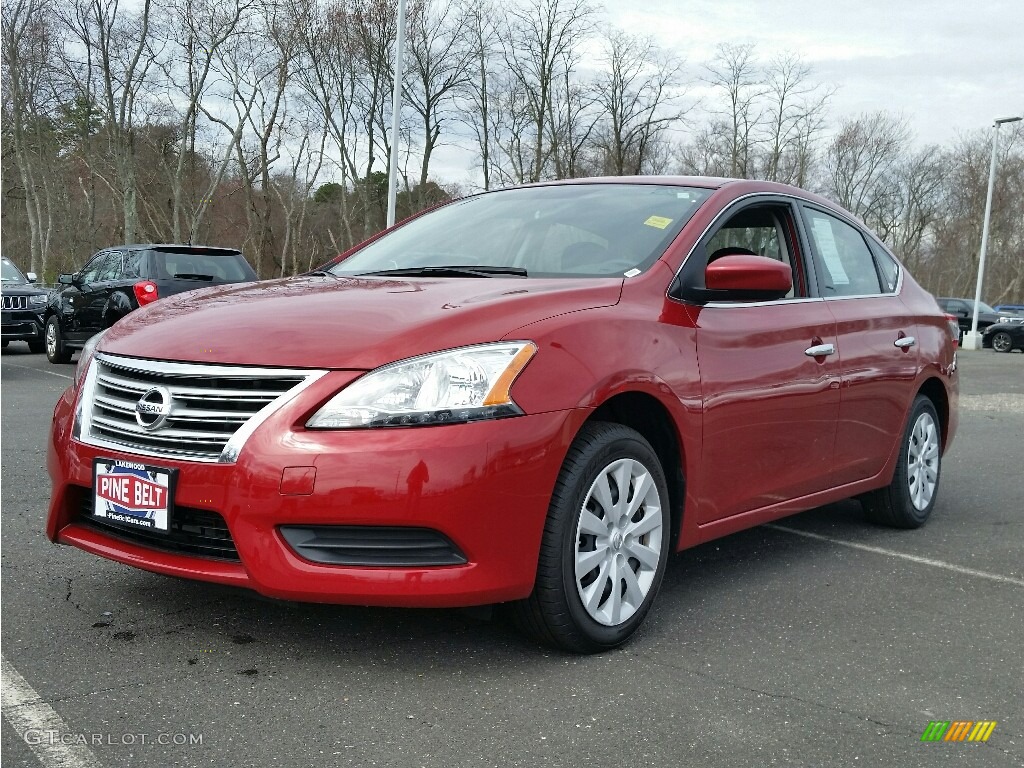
(85, 358)
(37, 301)
(450, 387)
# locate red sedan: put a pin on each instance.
(529, 396)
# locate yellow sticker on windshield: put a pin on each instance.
(658, 221)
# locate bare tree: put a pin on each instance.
(198, 29)
(440, 68)
(481, 41)
(734, 73)
(540, 44)
(638, 96)
(28, 49)
(119, 52)
(793, 117)
(861, 160)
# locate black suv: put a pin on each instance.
(963, 311)
(24, 307)
(117, 280)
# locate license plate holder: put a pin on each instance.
(133, 495)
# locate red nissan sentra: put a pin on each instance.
(529, 396)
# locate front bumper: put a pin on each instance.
(22, 325)
(485, 486)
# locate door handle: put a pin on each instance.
(905, 342)
(820, 350)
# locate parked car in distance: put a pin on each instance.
(1015, 310)
(1004, 337)
(963, 310)
(24, 305)
(530, 396)
(116, 281)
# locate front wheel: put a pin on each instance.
(56, 349)
(1001, 342)
(908, 500)
(605, 543)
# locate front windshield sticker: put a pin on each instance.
(658, 221)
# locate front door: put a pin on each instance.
(769, 376)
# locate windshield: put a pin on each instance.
(983, 307)
(11, 274)
(571, 230)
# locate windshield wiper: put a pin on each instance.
(192, 276)
(452, 271)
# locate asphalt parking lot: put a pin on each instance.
(820, 641)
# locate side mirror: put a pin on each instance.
(31, 277)
(67, 279)
(748, 278)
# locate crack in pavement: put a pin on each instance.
(785, 696)
(67, 597)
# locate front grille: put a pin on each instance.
(15, 302)
(192, 531)
(372, 545)
(208, 410)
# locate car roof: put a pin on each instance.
(738, 187)
(172, 248)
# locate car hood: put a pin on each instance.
(345, 323)
(22, 289)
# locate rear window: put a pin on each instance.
(213, 266)
(592, 230)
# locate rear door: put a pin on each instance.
(769, 376)
(877, 342)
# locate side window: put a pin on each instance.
(762, 231)
(97, 265)
(844, 261)
(110, 268)
(133, 264)
(888, 268)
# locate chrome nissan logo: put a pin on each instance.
(153, 407)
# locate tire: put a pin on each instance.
(4, 343)
(909, 499)
(56, 349)
(1001, 342)
(588, 516)
(37, 346)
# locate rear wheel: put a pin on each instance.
(1001, 342)
(56, 349)
(605, 543)
(908, 500)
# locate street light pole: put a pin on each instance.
(396, 114)
(972, 340)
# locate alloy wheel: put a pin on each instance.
(1001, 342)
(51, 340)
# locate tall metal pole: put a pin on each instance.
(396, 114)
(973, 340)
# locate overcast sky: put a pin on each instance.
(949, 66)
